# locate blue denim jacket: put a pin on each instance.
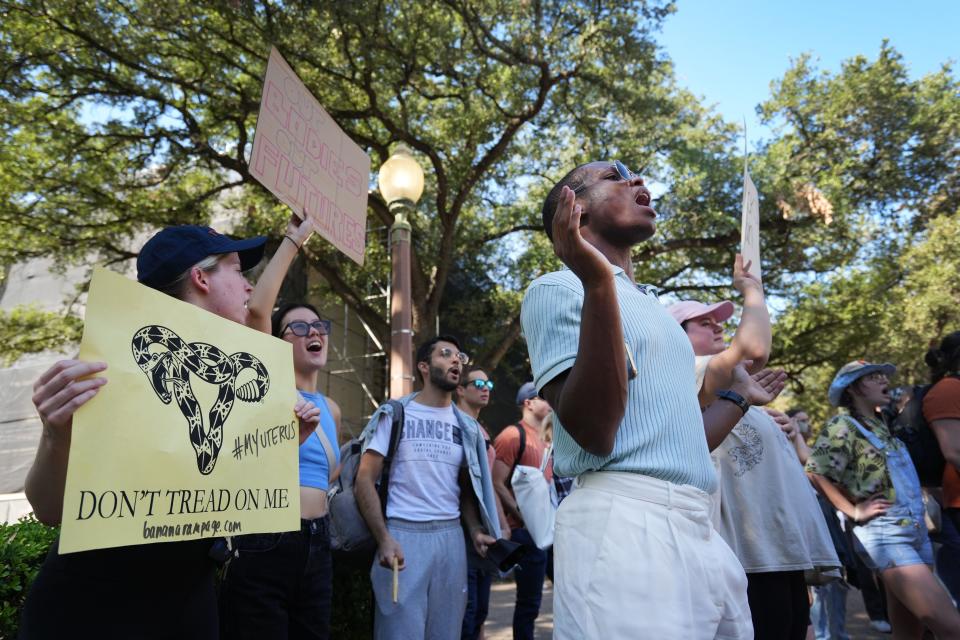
(475, 451)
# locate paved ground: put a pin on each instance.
(498, 625)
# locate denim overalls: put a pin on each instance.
(899, 537)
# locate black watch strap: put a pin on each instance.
(735, 398)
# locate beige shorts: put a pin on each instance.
(636, 557)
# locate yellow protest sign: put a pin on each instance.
(193, 436)
(302, 156)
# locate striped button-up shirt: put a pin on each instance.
(661, 434)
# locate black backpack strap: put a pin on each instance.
(520, 451)
(396, 432)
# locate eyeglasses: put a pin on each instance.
(301, 328)
(625, 174)
(447, 352)
(480, 384)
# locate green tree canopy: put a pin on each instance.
(120, 116)
(126, 115)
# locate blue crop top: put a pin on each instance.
(313, 459)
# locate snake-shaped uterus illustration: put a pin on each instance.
(168, 367)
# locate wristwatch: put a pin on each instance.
(735, 398)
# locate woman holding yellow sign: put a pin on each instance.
(280, 585)
(151, 590)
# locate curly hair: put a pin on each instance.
(945, 358)
(573, 179)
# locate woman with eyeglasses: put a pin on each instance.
(281, 584)
(866, 473)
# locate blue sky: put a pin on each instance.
(728, 51)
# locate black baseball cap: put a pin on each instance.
(173, 250)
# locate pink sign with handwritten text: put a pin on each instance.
(308, 162)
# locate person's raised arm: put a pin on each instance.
(591, 397)
(722, 415)
(57, 395)
(751, 342)
(264, 295)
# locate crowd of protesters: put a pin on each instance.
(689, 508)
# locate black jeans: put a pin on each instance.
(151, 591)
(479, 582)
(280, 585)
(529, 575)
(778, 605)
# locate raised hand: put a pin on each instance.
(761, 388)
(583, 258)
(742, 278)
(299, 230)
(60, 391)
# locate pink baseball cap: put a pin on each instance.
(687, 309)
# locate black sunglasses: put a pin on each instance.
(301, 328)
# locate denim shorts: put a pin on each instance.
(894, 541)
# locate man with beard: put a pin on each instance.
(439, 478)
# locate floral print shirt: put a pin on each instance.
(843, 455)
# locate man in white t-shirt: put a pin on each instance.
(439, 478)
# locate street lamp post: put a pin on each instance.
(401, 184)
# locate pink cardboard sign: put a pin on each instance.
(308, 162)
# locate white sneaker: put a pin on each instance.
(880, 625)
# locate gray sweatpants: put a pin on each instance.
(433, 586)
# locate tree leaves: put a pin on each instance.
(125, 115)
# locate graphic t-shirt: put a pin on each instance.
(769, 513)
(942, 402)
(424, 476)
(765, 509)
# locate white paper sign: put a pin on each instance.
(308, 162)
(750, 225)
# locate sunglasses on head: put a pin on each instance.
(622, 171)
(301, 328)
(480, 384)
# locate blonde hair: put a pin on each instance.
(178, 288)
